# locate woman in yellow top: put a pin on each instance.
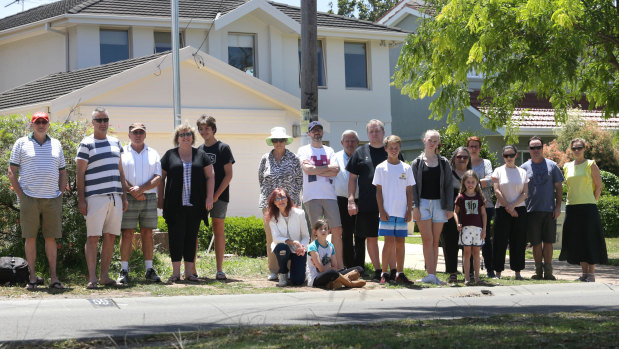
(583, 239)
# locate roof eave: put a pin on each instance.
(285, 22)
(362, 33)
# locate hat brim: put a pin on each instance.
(288, 140)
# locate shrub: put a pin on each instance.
(553, 152)
(452, 139)
(600, 142)
(609, 212)
(611, 183)
(244, 235)
(71, 245)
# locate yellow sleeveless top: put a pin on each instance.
(580, 185)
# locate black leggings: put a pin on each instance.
(182, 233)
(512, 231)
(322, 279)
(450, 246)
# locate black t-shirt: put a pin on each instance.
(363, 163)
(431, 182)
(220, 155)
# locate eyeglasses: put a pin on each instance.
(462, 157)
(278, 140)
(537, 147)
(577, 148)
(100, 120)
(511, 156)
(138, 132)
(41, 122)
(186, 134)
(280, 198)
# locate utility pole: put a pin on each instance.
(175, 65)
(309, 60)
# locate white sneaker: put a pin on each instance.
(429, 279)
(272, 277)
(283, 280)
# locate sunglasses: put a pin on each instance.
(577, 148)
(41, 122)
(186, 134)
(537, 147)
(278, 140)
(280, 198)
(102, 120)
(138, 132)
(462, 157)
(511, 156)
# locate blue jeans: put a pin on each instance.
(297, 263)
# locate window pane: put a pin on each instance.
(241, 52)
(163, 41)
(355, 65)
(114, 45)
(321, 64)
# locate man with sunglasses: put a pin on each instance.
(39, 162)
(543, 207)
(142, 167)
(102, 195)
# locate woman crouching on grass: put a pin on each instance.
(320, 271)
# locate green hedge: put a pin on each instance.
(611, 183)
(244, 236)
(609, 211)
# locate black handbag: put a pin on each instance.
(14, 270)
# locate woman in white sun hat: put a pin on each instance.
(279, 168)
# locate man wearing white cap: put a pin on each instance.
(319, 197)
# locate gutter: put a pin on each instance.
(48, 28)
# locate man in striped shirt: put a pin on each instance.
(101, 190)
(39, 161)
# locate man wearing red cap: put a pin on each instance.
(39, 161)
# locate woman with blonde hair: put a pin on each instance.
(583, 239)
(185, 195)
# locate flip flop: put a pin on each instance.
(191, 278)
(40, 281)
(56, 285)
(110, 282)
(31, 286)
(92, 285)
(174, 278)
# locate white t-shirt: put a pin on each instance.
(394, 179)
(314, 186)
(341, 180)
(324, 255)
(511, 182)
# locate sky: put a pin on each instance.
(323, 5)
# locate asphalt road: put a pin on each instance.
(51, 318)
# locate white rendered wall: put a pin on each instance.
(29, 59)
(142, 41)
(84, 46)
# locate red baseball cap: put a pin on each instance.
(40, 115)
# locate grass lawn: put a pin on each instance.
(572, 330)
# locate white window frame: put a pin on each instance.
(368, 80)
(129, 34)
(255, 37)
(181, 35)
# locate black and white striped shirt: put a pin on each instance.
(38, 166)
(102, 173)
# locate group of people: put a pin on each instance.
(120, 188)
(355, 195)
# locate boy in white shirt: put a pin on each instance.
(394, 194)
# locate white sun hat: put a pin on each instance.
(279, 133)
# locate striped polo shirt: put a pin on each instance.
(102, 173)
(38, 165)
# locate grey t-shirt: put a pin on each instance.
(542, 177)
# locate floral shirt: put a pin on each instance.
(286, 174)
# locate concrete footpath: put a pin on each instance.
(51, 318)
(562, 270)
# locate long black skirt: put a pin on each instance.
(583, 238)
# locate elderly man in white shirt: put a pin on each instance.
(142, 169)
(350, 142)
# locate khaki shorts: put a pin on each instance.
(105, 213)
(141, 211)
(44, 212)
(318, 208)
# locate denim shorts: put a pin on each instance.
(431, 209)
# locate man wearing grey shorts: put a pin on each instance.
(142, 167)
(39, 161)
(319, 197)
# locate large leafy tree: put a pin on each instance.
(564, 50)
(369, 10)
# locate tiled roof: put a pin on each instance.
(538, 113)
(412, 4)
(59, 84)
(202, 9)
